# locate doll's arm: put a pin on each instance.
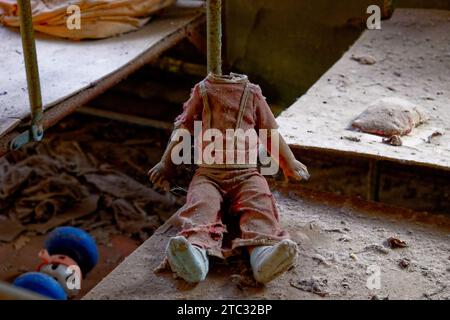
(164, 168)
(161, 171)
(292, 168)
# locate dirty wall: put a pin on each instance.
(286, 45)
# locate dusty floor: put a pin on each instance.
(340, 239)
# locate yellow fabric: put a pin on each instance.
(99, 18)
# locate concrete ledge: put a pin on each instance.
(412, 54)
(338, 242)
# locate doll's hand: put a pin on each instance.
(296, 170)
(157, 176)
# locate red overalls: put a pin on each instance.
(221, 192)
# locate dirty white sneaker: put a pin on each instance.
(268, 262)
(186, 260)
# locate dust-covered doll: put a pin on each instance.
(217, 105)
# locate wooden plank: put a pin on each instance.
(74, 72)
(412, 53)
(158, 124)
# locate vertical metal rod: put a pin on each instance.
(214, 36)
(31, 66)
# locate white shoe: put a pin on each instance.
(269, 262)
(186, 260)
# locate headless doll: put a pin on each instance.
(221, 103)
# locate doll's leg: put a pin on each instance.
(271, 252)
(188, 261)
(201, 215)
(259, 219)
(269, 262)
(202, 229)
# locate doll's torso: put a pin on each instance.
(226, 114)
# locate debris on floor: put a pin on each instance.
(368, 60)
(321, 260)
(390, 116)
(314, 285)
(396, 243)
(350, 138)
(85, 207)
(393, 141)
(377, 248)
(404, 263)
(55, 182)
(20, 242)
(432, 136)
(244, 279)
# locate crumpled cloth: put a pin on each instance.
(390, 116)
(37, 188)
(99, 18)
(46, 179)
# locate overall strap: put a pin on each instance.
(244, 99)
(206, 107)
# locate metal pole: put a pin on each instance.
(32, 72)
(9, 292)
(214, 36)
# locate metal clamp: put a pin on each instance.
(36, 133)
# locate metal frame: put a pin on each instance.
(13, 137)
(36, 131)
